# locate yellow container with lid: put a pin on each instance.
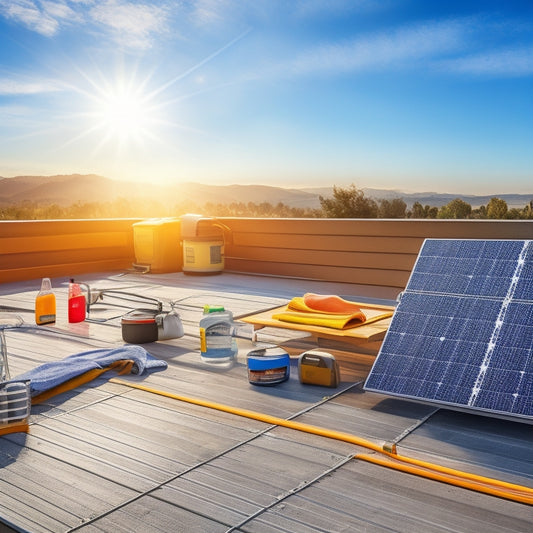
(203, 245)
(203, 255)
(157, 245)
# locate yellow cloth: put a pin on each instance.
(322, 310)
(319, 319)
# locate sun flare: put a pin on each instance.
(125, 114)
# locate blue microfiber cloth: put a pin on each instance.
(50, 375)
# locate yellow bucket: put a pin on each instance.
(157, 244)
(203, 244)
(203, 254)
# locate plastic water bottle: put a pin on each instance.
(217, 344)
(45, 304)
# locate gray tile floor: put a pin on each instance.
(109, 457)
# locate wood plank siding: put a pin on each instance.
(362, 251)
(51, 248)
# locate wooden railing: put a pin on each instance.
(361, 251)
(54, 248)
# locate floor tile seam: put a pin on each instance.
(290, 492)
(161, 484)
(172, 478)
(44, 417)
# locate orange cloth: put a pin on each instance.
(327, 304)
(322, 310)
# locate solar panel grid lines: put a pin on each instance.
(498, 325)
(462, 333)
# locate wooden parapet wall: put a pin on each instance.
(362, 251)
(54, 248)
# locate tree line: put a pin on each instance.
(351, 202)
(348, 202)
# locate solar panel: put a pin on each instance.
(462, 333)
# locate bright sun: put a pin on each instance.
(125, 115)
(121, 112)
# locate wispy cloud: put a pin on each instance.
(313, 8)
(133, 24)
(60, 11)
(209, 12)
(399, 48)
(12, 86)
(434, 46)
(31, 15)
(514, 62)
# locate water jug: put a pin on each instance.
(217, 345)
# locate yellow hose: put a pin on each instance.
(433, 471)
(269, 419)
(458, 473)
(465, 480)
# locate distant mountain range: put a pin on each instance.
(65, 190)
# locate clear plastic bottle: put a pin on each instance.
(217, 344)
(76, 303)
(45, 304)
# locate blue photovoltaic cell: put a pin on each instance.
(462, 334)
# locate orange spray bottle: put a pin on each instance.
(45, 304)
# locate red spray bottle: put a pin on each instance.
(76, 303)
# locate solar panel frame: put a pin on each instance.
(462, 333)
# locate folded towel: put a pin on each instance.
(322, 310)
(335, 321)
(50, 375)
(326, 304)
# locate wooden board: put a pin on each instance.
(365, 332)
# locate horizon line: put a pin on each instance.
(304, 188)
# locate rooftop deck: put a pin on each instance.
(110, 457)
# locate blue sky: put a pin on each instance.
(413, 95)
